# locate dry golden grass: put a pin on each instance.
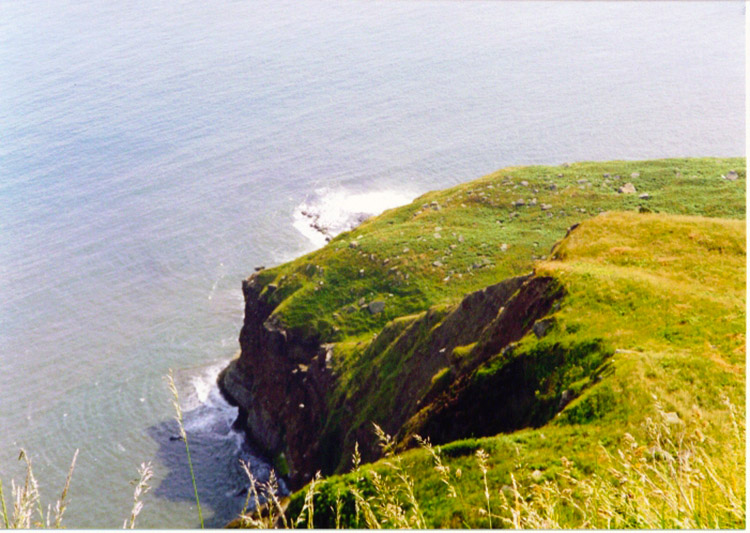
(28, 511)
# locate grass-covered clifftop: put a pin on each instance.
(448, 243)
(639, 309)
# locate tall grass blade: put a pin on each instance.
(62, 503)
(178, 416)
(6, 520)
(145, 473)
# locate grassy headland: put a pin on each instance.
(644, 318)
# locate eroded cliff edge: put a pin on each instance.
(404, 321)
(285, 385)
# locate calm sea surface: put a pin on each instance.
(152, 155)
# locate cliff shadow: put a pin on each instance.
(216, 451)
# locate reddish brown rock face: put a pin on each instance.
(283, 386)
(279, 384)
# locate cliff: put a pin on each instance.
(443, 318)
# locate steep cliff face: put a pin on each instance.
(279, 383)
(295, 408)
(402, 321)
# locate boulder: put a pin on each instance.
(376, 307)
(542, 327)
(731, 175)
(565, 398)
(628, 188)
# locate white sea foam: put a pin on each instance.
(328, 212)
(206, 409)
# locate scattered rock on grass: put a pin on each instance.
(376, 307)
(565, 398)
(731, 176)
(542, 327)
(628, 188)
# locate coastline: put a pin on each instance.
(304, 410)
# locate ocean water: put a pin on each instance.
(153, 153)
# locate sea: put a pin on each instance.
(153, 153)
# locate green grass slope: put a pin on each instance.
(419, 261)
(661, 299)
(451, 242)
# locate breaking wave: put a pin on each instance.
(328, 212)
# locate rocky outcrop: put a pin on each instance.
(283, 382)
(279, 383)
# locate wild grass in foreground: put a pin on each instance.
(183, 434)
(28, 510)
(668, 481)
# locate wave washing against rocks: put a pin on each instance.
(328, 212)
(216, 449)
